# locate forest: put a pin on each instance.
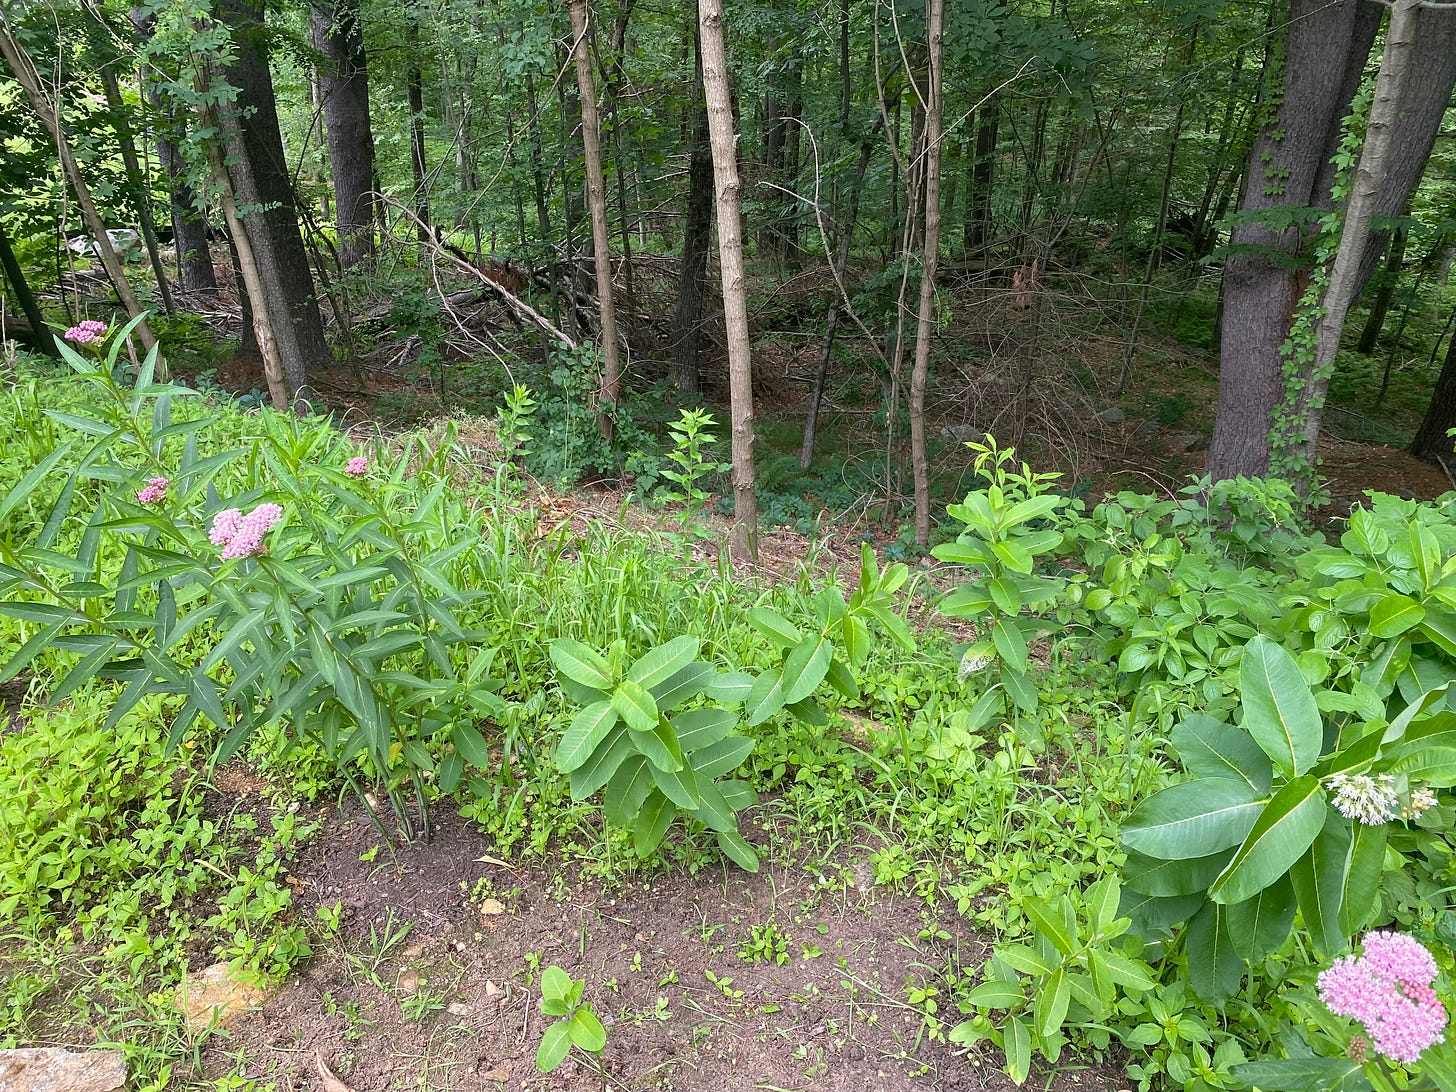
(758, 543)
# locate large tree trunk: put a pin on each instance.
(45, 109)
(743, 545)
(919, 460)
(41, 335)
(1262, 281)
(1432, 442)
(344, 77)
(692, 281)
(260, 181)
(609, 388)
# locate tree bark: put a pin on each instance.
(1261, 285)
(919, 376)
(41, 335)
(1432, 442)
(415, 95)
(1369, 181)
(692, 281)
(344, 79)
(977, 225)
(29, 80)
(1380, 306)
(260, 181)
(609, 387)
(743, 543)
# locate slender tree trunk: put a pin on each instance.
(30, 82)
(344, 81)
(261, 182)
(41, 334)
(1370, 178)
(919, 376)
(743, 545)
(978, 220)
(1432, 441)
(609, 388)
(140, 190)
(697, 237)
(415, 96)
(1380, 307)
(831, 317)
(189, 229)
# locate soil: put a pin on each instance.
(452, 1005)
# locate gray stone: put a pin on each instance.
(51, 1069)
(964, 434)
(1187, 441)
(1112, 415)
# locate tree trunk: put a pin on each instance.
(260, 181)
(831, 318)
(1380, 307)
(1369, 182)
(29, 80)
(697, 237)
(344, 78)
(415, 95)
(1432, 442)
(743, 544)
(140, 190)
(977, 227)
(189, 229)
(1261, 280)
(609, 387)
(930, 252)
(41, 335)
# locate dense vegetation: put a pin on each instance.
(1183, 758)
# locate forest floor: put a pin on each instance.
(793, 978)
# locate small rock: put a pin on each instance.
(409, 981)
(1112, 415)
(491, 989)
(51, 1069)
(490, 908)
(214, 997)
(1187, 441)
(964, 434)
(458, 1008)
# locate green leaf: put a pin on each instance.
(587, 731)
(805, 668)
(697, 728)
(687, 683)
(627, 789)
(653, 820)
(1169, 878)
(22, 489)
(586, 1030)
(1018, 1049)
(995, 993)
(471, 745)
(1214, 966)
(1361, 896)
(660, 745)
(731, 687)
(1193, 819)
(602, 763)
(1259, 925)
(1010, 644)
(1279, 710)
(1149, 913)
(1286, 827)
(775, 627)
(842, 679)
(1210, 748)
(1319, 879)
(555, 1046)
(663, 662)
(724, 756)
(1049, 1009)
(1295, 1074)
(679, 786)
(737, 850)
(1394, 615)
(1023, 958)
(766, 698)
(1050, 919)
(635, 706)
(581, 664)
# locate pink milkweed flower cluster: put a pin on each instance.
(154, 493)
(240, 535)
(1388, 989)
(357, 467)
(87, 332)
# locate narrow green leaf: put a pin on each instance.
(587, 731)
(775, 627)
(1214, 966)
(1279, 710)
(766, 698)
(737, 850)
(1193, 819)
(995, 993)
(653, 820)
(722, 757)
(1049, 1009)
(1394, 615)
(597, 770)
(1319, 879)
(1286, 827)
(1361, 896)
(1018, 1050)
